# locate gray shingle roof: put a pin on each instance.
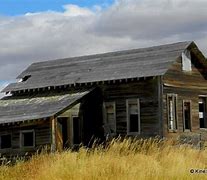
(14, 109)
(144, 62)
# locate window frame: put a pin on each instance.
(5, 134)
(184, 129)
(22, 139)
(175, 100)
(105, 104)
(128, 119)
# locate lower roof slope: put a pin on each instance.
(145, 62)
(19, 108)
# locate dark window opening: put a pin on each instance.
(5, 141)
(133, 116)
(28, 139)
(134, 123)
(187, 115)
(202, 112)
(26, 78)
(201, 106)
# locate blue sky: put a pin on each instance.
(19, 7)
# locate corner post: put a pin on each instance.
(53, 133)
(160, 104)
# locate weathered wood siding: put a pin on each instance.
(42, 131)
(187, 86)
(147, 92)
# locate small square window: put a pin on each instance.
(28, 138)
(6, 141)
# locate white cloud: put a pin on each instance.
(76, 31)
(74, 10)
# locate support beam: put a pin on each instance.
(160, 104)
(53, 133)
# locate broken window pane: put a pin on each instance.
(110, 116)
(172, 112)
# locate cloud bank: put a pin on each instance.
(76, 31)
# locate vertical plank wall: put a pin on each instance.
(147, 92)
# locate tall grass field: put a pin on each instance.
(127, 159)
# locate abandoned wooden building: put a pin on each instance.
(156, 91)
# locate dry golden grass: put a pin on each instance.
(127, 159)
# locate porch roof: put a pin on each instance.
(16, 109)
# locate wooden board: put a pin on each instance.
(144, 62)
(188, 86)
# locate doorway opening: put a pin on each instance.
(76, 130)
(62, 127)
